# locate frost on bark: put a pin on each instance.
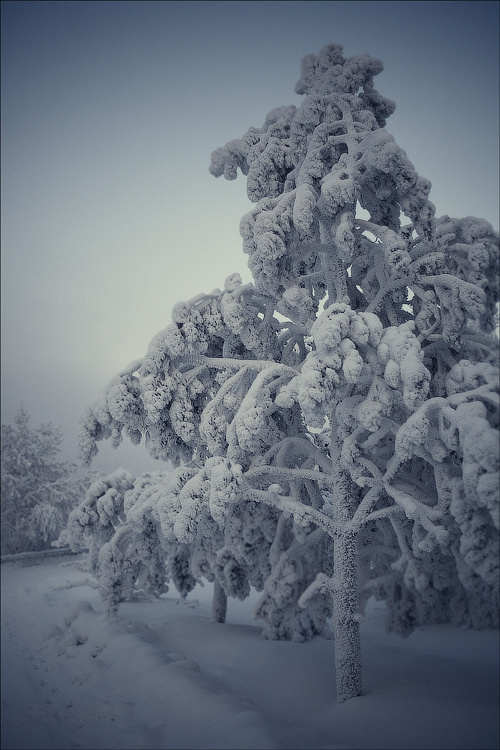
(219, 603)
(334, 424)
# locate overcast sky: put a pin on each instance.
(110, 112)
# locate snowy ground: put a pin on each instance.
(162, 675)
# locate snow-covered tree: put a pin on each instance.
(125, 549)
(183, 398)
(350, 393)
(401, 375)
(38, 488)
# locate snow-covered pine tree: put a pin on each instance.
(38, 489)
(92, 526)
(347, 415)
(207, 366)
(401, 376)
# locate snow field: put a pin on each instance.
(162, 675)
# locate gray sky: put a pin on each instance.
(110, 112)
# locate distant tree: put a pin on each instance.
(38, 489)
(352, 390)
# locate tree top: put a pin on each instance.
(330, 72)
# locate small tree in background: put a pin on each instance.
(38, 490)
(352, 389)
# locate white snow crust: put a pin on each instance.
(163, 675)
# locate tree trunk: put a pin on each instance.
(346, 618)
(219, 603)
(345, 589)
